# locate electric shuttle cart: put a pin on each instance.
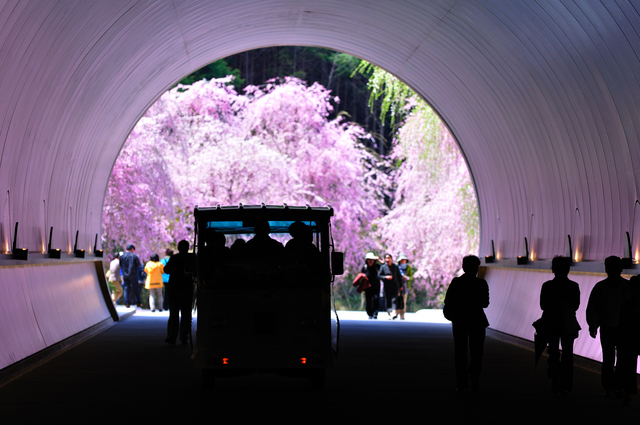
(262, 308)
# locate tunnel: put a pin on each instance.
(542, 98)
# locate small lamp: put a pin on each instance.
(78, 252)
(18, 253)
(627, 261)
(491, 258)
(53, 252)
(97, 252)
(522, 260)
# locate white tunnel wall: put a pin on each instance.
(541, 96)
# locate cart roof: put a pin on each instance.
(282, 212)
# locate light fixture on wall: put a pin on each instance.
(78, 252)
(97, 252)
(524, 259)
(491, 258)
(53, 252)
(627, 261)
(18, 253)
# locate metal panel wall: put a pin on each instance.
(515, 305)
(41, 305)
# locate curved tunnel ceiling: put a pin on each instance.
(541, 96)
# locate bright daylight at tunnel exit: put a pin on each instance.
(300, 126)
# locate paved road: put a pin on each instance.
(387, 371)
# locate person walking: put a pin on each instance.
(154, 270)
(464, 304)
(372, 293)
(559, 301)
(603, 312)
(130, 265)
(391, 278)
(181, 269)
(115, 278)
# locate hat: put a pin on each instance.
(402, 256)
(370, 256)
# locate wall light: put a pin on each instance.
(78, 252)
(18, 253)
(522, 260)
(53, 252)
(97, 252)
(491, 258)
(627, 261)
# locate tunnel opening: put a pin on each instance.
(398, 187)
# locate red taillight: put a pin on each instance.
(303, 360)
(225, 360)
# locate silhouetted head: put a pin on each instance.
(613, 266)
(169, 252)
(131, 247)
(262, 228)
(471, 264)
(299, 230)
(560, 266)
(155, 257)
(238, 244)
(215, 239)
(183, 247)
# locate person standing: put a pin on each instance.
(372, 293)
(154, 270)
(115, 278)
(559, 301)
(130, 265)
(392, 280)
(181, 269)
(407, 274)
(603, 311)
(165, 278)
(464, 304)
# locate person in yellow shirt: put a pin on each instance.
(154, 270)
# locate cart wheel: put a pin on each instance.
(317, 378)
(208, 378)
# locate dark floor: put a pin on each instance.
(386, 371)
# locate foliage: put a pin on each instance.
(395, 94)
(434, 216)
(206, 144)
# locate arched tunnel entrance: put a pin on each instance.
(541, 98)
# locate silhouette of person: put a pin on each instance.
(392, 280)
(372, 293)
(130, 266)
(559, 301)
(464, 304)
(300, 250)
(262, 250)
(236, 248)
(180, 268)
(165, 278)
(629, 345)
(215, 254)
(603, 311)
(407, 274)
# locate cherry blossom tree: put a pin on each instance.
(205, 144)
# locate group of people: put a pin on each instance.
(174, 273)
(385, 280)
(613, 309)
